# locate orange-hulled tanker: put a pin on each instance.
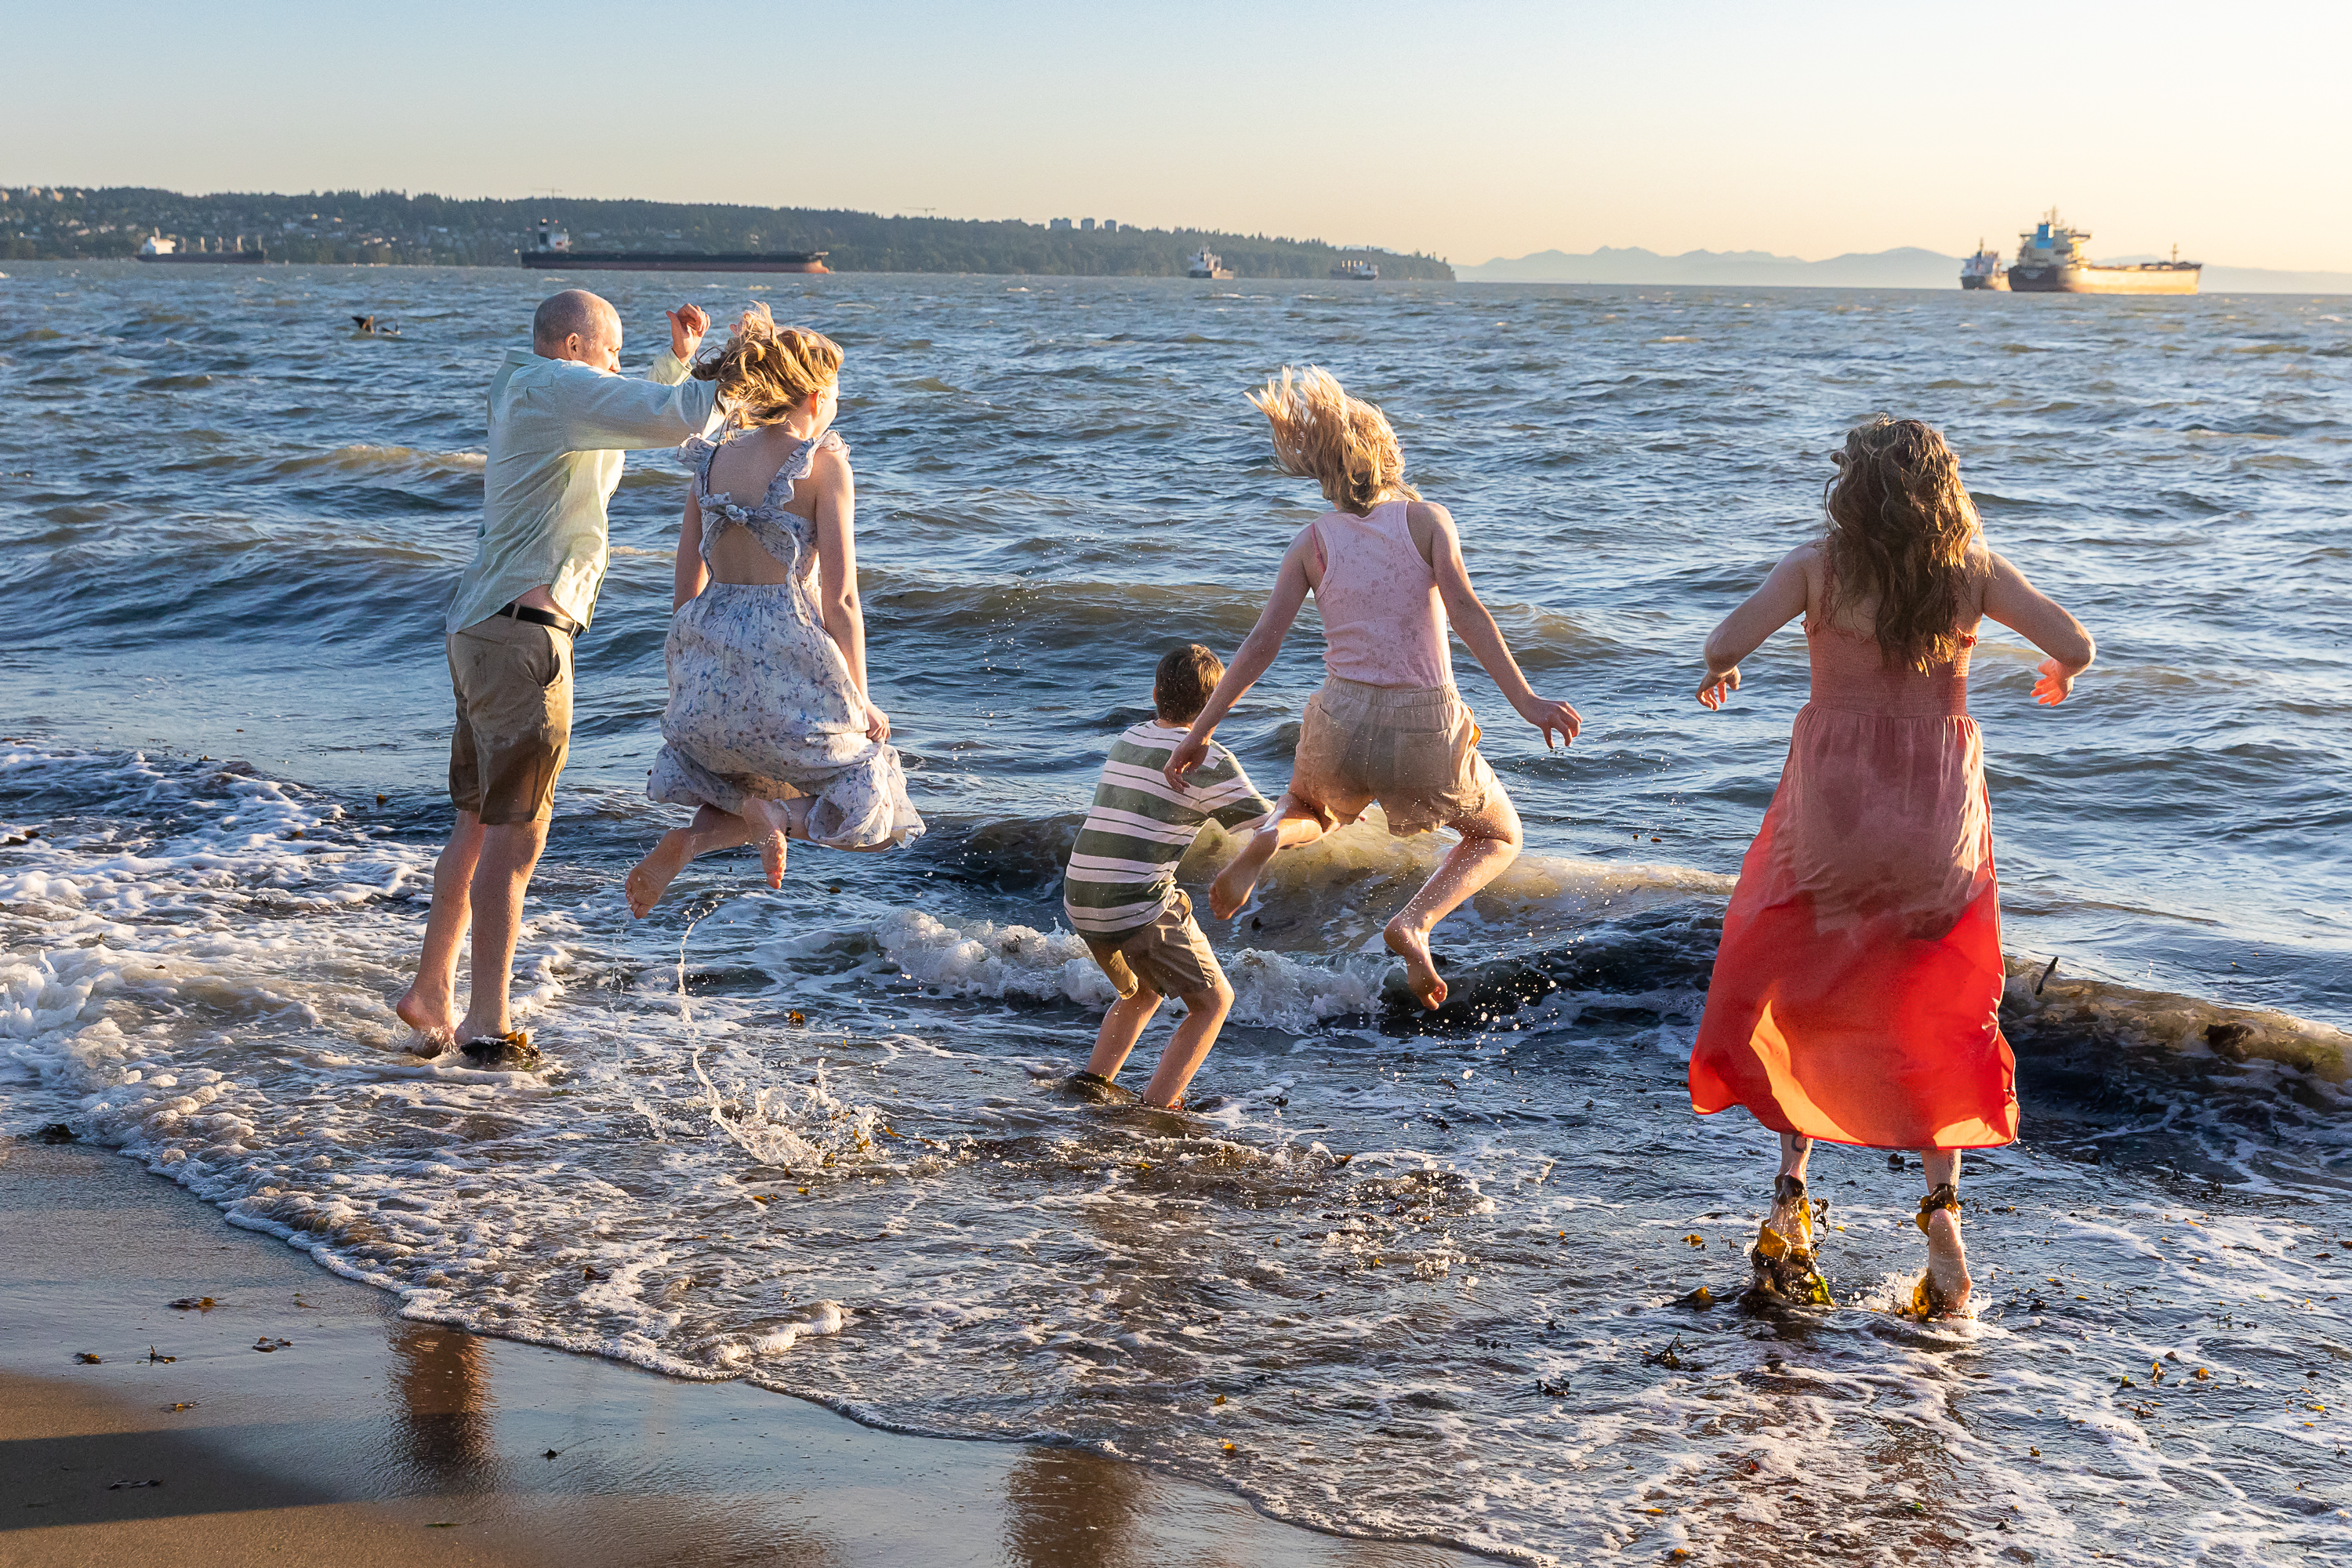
(2050, 260)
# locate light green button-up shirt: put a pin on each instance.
(557, 431)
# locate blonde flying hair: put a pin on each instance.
(764, 371)
(1342, 443)
(1901, 527)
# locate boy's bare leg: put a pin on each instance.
(711, 830)
(1947, 1259)
(1291, 825)
(1188, 1047)
(501, 876)
(1490, 841)
(1121, 1027)
(429, 1005)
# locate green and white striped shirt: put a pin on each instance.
(1122, 871)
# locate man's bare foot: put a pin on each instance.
(431, 1030)
(1420, 969)
(1943, 1290)
(1231, 889)
(652, 876)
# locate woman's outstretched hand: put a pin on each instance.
(1719, 685)
(1188, 755)
(2057, 683)
(1547, 715)
(877, 723)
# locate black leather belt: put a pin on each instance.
(539, 617)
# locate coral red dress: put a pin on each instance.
(1857, 990)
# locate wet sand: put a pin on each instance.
(366, 1438)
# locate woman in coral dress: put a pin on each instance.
(1857, 988)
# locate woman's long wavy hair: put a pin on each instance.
(1342, 443)
(764, 372)
(1901, 528)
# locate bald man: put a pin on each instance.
(561, 415)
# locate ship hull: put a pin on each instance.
(209, 258)
(2154, 278)
(1997, 282)
(655, 261)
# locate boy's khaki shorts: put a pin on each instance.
(1412, 748)
(512, 681)
(1170, 955)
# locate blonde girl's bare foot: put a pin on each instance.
(1944, 1288)
(1231, 889)
(652, 876)
(1420, 969)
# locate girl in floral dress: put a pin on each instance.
(770, 733)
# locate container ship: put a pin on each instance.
(158, 248)
(552, 249)
(1984, 270)
(2050, 260)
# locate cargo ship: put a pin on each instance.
(552, 249)
(1984, 270)
(1206, 263)
(1356, 272)
(2050, 260)
(158, 248)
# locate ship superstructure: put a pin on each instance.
(552, 249)
(2051, 260)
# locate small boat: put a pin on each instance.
(1356, 272)
(1207, 263)
(1984, 270)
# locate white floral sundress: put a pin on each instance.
(761, 700)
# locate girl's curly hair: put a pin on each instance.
(764, 371)
(1900, 526)
(1342, 443)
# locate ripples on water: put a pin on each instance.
(1398, 1278)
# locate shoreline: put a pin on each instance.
(367, 1437)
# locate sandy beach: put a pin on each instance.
(360, 1437)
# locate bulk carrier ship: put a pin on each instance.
(551, 250)
(2050, 260)
(158, 248)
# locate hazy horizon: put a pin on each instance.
(1819, 130)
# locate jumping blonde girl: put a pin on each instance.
(1857, 989)
(1387, 726)
(770, 732)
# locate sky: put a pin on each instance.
(1471, 131)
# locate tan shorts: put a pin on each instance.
(1170, 955)
(512, 681)
(1415, 749)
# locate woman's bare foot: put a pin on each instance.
(652, 876)
(771, 821)
(1231, 889)
(431, 1030)
(1943, 1289)
(1420, 969)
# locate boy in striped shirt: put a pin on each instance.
(1120, 889)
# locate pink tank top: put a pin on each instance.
(1383, 624)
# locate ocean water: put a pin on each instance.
(1398, 1277)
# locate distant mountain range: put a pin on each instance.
(1908, 267)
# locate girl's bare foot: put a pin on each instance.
(1420, 969)
(772, 819)
(1235, 884)
(1942, 1289)
(652, 876)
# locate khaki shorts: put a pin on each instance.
(1170, 955)
(512, 681)
(1412, 748)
